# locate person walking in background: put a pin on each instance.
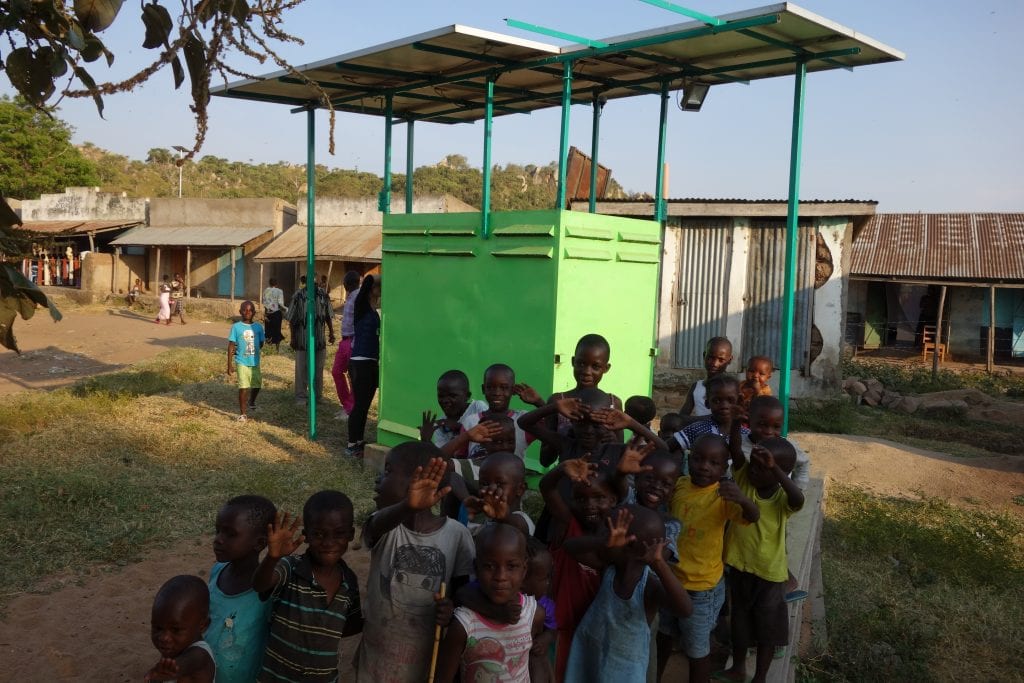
(364, 368)
(165, 302)
(322, 321)
(177, 299)
(273, 313)
(344, 353)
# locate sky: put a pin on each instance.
(938, 132)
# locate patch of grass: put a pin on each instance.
(110, 468)
(949, 433)
(916, 379)
(919, 590)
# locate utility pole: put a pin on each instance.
(181, 155)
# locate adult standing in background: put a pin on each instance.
(178, 298)
(273, 313)
(364, 367)
(165, 302)
(322, 322)
(344, 353)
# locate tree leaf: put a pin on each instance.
(179, 72)
(76, 38)
(195, 59)
(93, 49)
(158, 25)
(239, 9)
(96, 15)
(29, 74)
(90, 84)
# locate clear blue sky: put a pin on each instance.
(941, 131)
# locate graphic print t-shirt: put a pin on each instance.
(247, 339)
(406, 570)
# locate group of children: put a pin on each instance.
(626, 563)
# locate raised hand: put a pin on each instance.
(654, 550)
(484, 432)
(428, 426)
(612, 418)
(527, 394)
(729, 491)
(283, 535)
(572, 408)
(618, 529)
(164, 670)
(763, 457)
(495, 505)
(739, 413)
(423, 489)
(633, 457)
(578, 469)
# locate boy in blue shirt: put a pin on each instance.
(244, 343)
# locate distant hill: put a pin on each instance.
(514, 187)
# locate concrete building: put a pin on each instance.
(211, 242)
(902, 262)
(348, 237)
(722, 273)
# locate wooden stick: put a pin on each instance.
(437, 644)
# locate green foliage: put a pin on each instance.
(919, 590)
(916, 379)
(36, 154)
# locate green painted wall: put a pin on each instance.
(452, 299)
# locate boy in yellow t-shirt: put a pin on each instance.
(756, 555)
(703, 502)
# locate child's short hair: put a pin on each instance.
(661, 455)
(713, 441)
(720, 382)
(184, 588)
(501, 419)
(535, 548)
(500, 367)
(455, 376)
(764, 403)
(647, 524)
(671, 422)
(761, 359)
(326, 501)
(718, 341)
(782, 451)
(498, 532)
(259, 511)
(351, 280)
(506, 460)
(596, 342)
(412, 454)
(641, 409)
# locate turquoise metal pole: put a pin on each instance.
(563, 146)
(595, 137)
(311, 265)
(408, 167)
(385, 194)
(659, 176)
(485, 198)
(792, 235)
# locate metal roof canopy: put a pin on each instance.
(441, 75)
(451, 75)
(191, 236)
(348, 243)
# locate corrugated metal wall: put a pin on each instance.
(705, 256)
(762, 316)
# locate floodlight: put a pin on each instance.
(693, 96)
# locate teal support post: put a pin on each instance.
(408, 166)
(792, 235)
(385, 193)
(595, 137)
(485, 195)
(311, 265)
(659, 190)
(563, 145)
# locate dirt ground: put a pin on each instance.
(95, 628)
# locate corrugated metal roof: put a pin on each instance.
(189, 237)
(69, 228)
(357, 243)
(945, 246)
(440, 75)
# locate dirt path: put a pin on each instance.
(93, 341)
